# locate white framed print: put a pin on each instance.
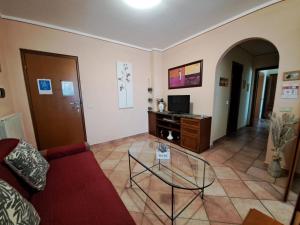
(125, 85)
(44, 86)
(67, 88)
(290, 92)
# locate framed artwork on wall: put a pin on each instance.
(185, 76)
(125, 85)
(292, 75)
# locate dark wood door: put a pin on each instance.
(57, 114)
(236, 83)
(269, 95)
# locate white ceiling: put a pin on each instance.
(158, 27)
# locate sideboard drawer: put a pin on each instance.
(189, 129)
(190, 122)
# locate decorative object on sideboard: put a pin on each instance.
(161, 104)
(2, 92)
(125, 85)
(292, 75)
(170, 137)
(187, 75)
(282, 132)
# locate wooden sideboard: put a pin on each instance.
(189, 131)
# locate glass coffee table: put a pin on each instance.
(183, 170)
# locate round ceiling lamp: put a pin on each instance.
(142, 4)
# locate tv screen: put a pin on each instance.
(179, 103)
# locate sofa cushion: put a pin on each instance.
(78, 193)
(13, 180)
(28, 163)
(15, 210)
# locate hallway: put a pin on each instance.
(244, 151)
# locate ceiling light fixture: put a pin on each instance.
(142, 4)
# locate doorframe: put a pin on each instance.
(29, 97)
(255, 86)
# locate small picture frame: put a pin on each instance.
(291, 75)
(223, 82)
(44, 86)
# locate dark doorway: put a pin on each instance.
(53, 89)
(236, 83)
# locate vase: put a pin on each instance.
(274, 168)
(161, 106)
(170, 137)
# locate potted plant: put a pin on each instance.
(282, 132)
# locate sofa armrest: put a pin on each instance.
(62, 151)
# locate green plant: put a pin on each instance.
(282, 132)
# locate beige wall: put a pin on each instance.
(97, 65)
(6, 106)
(222, 94)
(279, 24)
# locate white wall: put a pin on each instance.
(222, 94)
(97, 65)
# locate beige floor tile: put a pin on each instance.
(182, 221)
(115, 156)
(109, 164)
(215, 189)
(260, 173)
(220, 209)
(134, 200)
(236, 188)
(137, 217)
(119, 179)
(263, 190)
(281, 211)
(244, 205)
(122, 166)
(194, 211)
(153, 219)
(225, 173)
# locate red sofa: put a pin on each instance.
(77, 191)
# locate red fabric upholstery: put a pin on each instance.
(78, 193)
(6, 146)
(58, 152)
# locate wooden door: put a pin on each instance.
(269, 96)
(236, 83)
(57, 114)
(259, 96)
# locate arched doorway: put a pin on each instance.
(246, 76)
(244, 93)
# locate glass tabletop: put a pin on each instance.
(183, 169)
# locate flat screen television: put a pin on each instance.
(179, 103)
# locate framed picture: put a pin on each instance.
(185, 76)
(44, 86)
(292, 75)
(125, 85)
(223, 82)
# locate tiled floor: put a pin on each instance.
(242, 183)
